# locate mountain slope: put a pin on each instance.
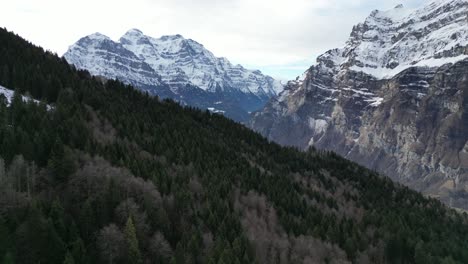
(177, 68)
(393, 99)
(113, 175)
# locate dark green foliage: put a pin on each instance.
(37, 240)
(69, 259)
(8, 259)
(60, 163)
(134, 255)
(78, 251)
(5, 239)
(112, 175)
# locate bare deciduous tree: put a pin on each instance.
(160, 247)
(111, 243)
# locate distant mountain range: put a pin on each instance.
(394, 99)
(177, 68)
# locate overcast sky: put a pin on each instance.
(281, 38)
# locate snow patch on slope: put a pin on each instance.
(375, 101)
(10, 93)
(385, 73)
(7, 93)
(215, 111)
(318, 125)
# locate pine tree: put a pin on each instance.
(350, 247)
(2, 173)
(17, 109)
(448, 260)
(5, 239)
(37, 240)
(78, 251)
(420, 255)
(57, 215)
(60, 163)
(8, 259)
(134, 255)
(69, 259)
(87, 219)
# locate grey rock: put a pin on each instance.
(411, 126)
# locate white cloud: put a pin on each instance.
(259, 33)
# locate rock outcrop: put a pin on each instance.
(394, 99)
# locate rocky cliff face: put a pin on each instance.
(394, 99)
(177, 68)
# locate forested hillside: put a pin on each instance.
(108, 174)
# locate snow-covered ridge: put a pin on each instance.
(389, 42)
(191, 63)
(385, 73)
(172, 60)
(102, 56)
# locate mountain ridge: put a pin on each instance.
(178, 68)
(393, 107)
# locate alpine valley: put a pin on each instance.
(394, 98)
(177, 68)
(93, 170)
(109, 174)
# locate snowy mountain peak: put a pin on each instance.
(94, 40)
(175, 67)
(132, 35)
(134, 31)
(391, 41)
(182, 61)
(101, 56)
(171, 37)
(98, 36)
(396, 14)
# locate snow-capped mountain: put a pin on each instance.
(394, 99)
(392, 41)
(175, 67)
(102, 56)
(183, 61)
